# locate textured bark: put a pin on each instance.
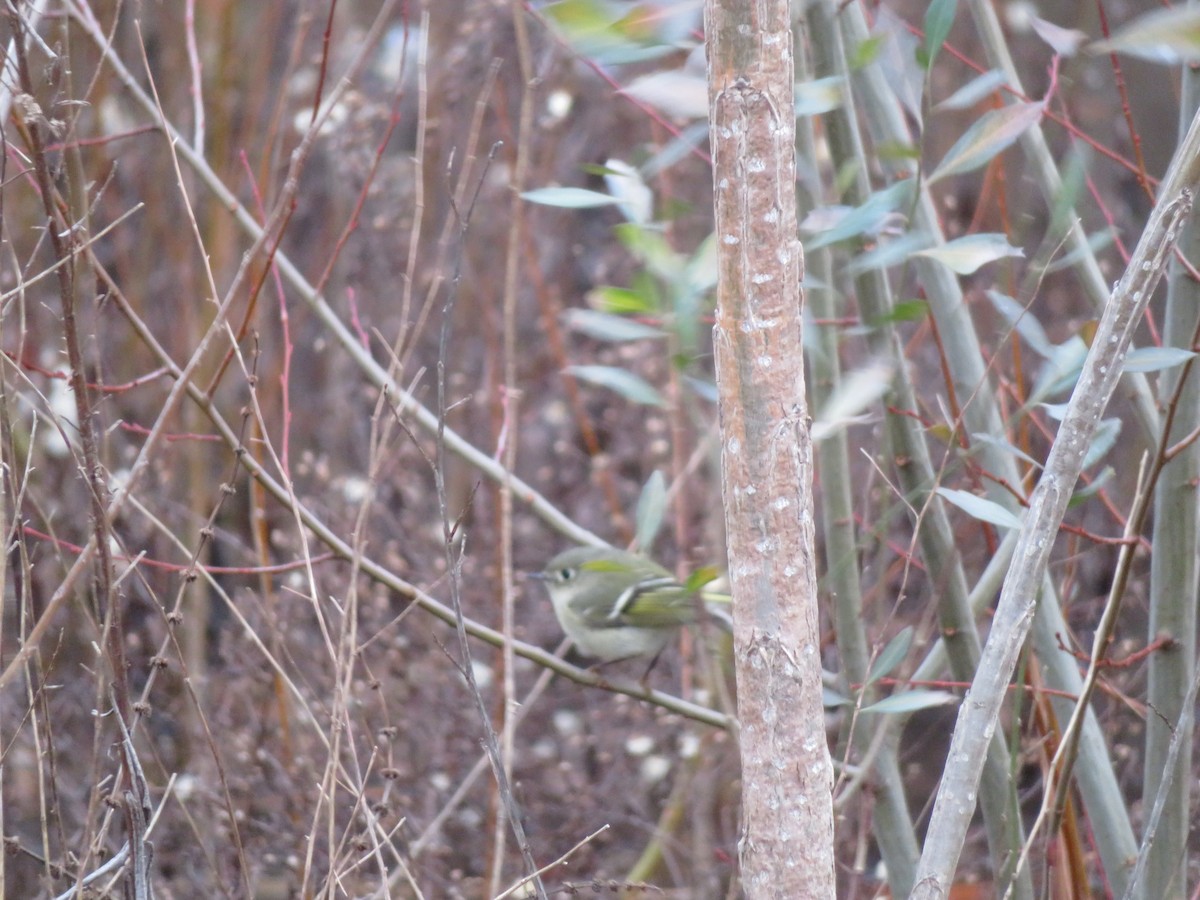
(787, 842)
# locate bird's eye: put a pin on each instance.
(566, 574)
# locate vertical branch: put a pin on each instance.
(978, 715)
(61, 235)
(1174, 569)
(453, 546)
(767, 454)
(510, 401)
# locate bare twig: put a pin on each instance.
(454, 556)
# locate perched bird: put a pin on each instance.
(618, 605)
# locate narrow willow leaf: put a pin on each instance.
(966, 255)
(891, 655)
(1024, 321)
(938, 19)
(569, 198)
(1096, 242)
(1061, 371)
(974, 90)
(651, 249)
(1056, 411)
(980, 508)
(1063, 41)
(911, 701)
(652, 505)
(1163, 35)
(898, 52)
(1155, 359)
(979, 438)
(888, 253)
(630, 386)
(819, 96)
(995, 132)
(867, 219)
(1063, 216)
(605, 326)
(701, 270)
(625, 184)
(681, 147)
(831, 699)
(1102, 441)
(1090, 490)
(679, 93)
(854, 394)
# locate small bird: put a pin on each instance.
(617, 605)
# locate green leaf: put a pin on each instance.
(597, 169)
(569, 198)
(891, 655)
(911, 701)
(630, 386)
(995, 132)
(866, 52)
(605, 31)
(1155, 359)
(651, 249)
(966, 255)
(904, 311)
(980, 508)
(703, 576)
(898, 152)
(606, 327)
(579, 18)
(652, 504)
(938, 19)
(622, 301)
(1163, 35)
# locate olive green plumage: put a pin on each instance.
(614, 604)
